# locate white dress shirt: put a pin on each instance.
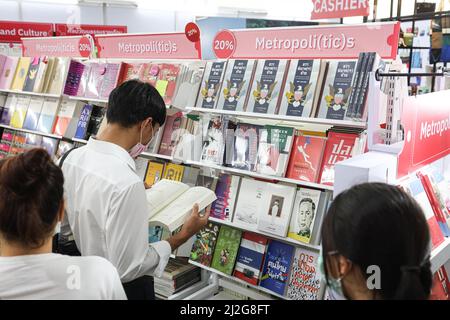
(56, 277)
(107, 210)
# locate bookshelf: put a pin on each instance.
(36, 94)
(100, 101)
(50, 135)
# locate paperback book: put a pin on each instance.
(226, 192)
(304, 283)
(205, 243)
(250, 257)
(212, 82)
(226, 250)
(246, 146)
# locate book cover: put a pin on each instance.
(266, 86)
(95, 81)
(339, 147)
(8, 109)
(277, 265)
(173, 171)
(41, 74)
(130, 71)
(274, 147)
(229, 126)
(6, 142)
(226, 250)
(249, 204)
(207, 181)
(304, 282)
(154, 233)
(49, 75)
(21, 73)
(74, 75)
(372, 65)
(20, 111)
(250, 257)
(337, 89)
(72, 127)
(441, 285)
(8, 72)
(2, 103)
(171, 133)
(442, 192)
(31, 75)
(97, 115)
(48, 115)
(154, 173)
(58, 79)
(110, 79)
(147, 72)
(83, 122)
(246, 146)
(204, 244)
(63, 148)
(64, 116)
(276, 211)
(226, 192)
(190, 176)
(304, 214)
(357, 79)
(300, 87)
(167, 81)
(2, 62)
(306, 156)
(84, 79)
(213, 142)
(212, 82)
(236, 85)
(50, 144)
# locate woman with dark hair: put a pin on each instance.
(31, 205)
(376, 245)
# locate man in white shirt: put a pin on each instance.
(106, 202)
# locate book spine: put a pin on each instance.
(362, 97)
(352, 99)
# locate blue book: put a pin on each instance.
(277, 265)
(83, 122)
(250, 257)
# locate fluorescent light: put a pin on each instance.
(120, 3)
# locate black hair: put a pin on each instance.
(380, 224)
(32, 190)
(134, 101)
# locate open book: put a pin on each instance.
(170, 202)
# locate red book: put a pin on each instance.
(149, 73)
(130, 71)
(306, 155)
(250, 257)
(170, 136)
(339, 147)
(169, 72)
(441, 285)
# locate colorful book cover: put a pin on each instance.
(6, 142)
(58, 79)
(65, 114)
(83, 122)
(48, 115)
(74, 75)
(49, 74)
(130, 71)
(337, 89)
(212, 82)
(304, 283)
(97, 115)
(249, 204)
(274, 147)
(154, 233)
(250, 257)
(277, 265)
(171, 134)
(83, 82)
(8, 72)
(41, 74)
(167, 79)
(441, 285)
(300, 87)
(20, 112)
(31, 75)
(306, 156)
(226, 249)
(269, 76)
(226, 192)
(8, 109)
(173, 171)
(154, 172)
(213, 143)
(236, 85)
(21, 73)
(50, 144)
(246, 146)
(95, 82)
(304, 214)
(204, 244)
(110, 79)
(147, 72)
(338, 148)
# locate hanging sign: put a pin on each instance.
(312, 42)
(62, 29)
(13, 31)
(426, 123)
(329, 9)
(76, 47)
(177, 45)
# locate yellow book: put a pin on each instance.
(173, 172)
(154, 172)
(20, 112)
(21, 73)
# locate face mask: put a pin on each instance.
(139, 147)
(334, 285)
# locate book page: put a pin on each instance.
(174, 214)
(163, 193)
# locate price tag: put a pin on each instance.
(224, 44)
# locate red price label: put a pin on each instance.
(192, 32)
(224, 44)
(84, 47)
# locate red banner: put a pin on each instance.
(75, 47)
(329, 9)
(82, 29)
(13, 31)
(426, 122)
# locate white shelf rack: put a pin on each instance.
(28, 93)
(102, 101)
(440, 255)
(155, 155)
(50, 135)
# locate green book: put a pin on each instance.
(226, 249)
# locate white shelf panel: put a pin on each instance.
(155, 155)
(50, 135)
(79, 140)
(103, 101)
(440, 255)
(269, 235)
(284, 119)
(238, 280)
(38, 94)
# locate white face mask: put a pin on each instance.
(139, 147)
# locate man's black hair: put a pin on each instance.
(134, 101)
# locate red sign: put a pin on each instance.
(76, 47)
(13, 31)
(328, 9)
(82, 29)
(313, 42)
(426, 122)
(192, 32)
